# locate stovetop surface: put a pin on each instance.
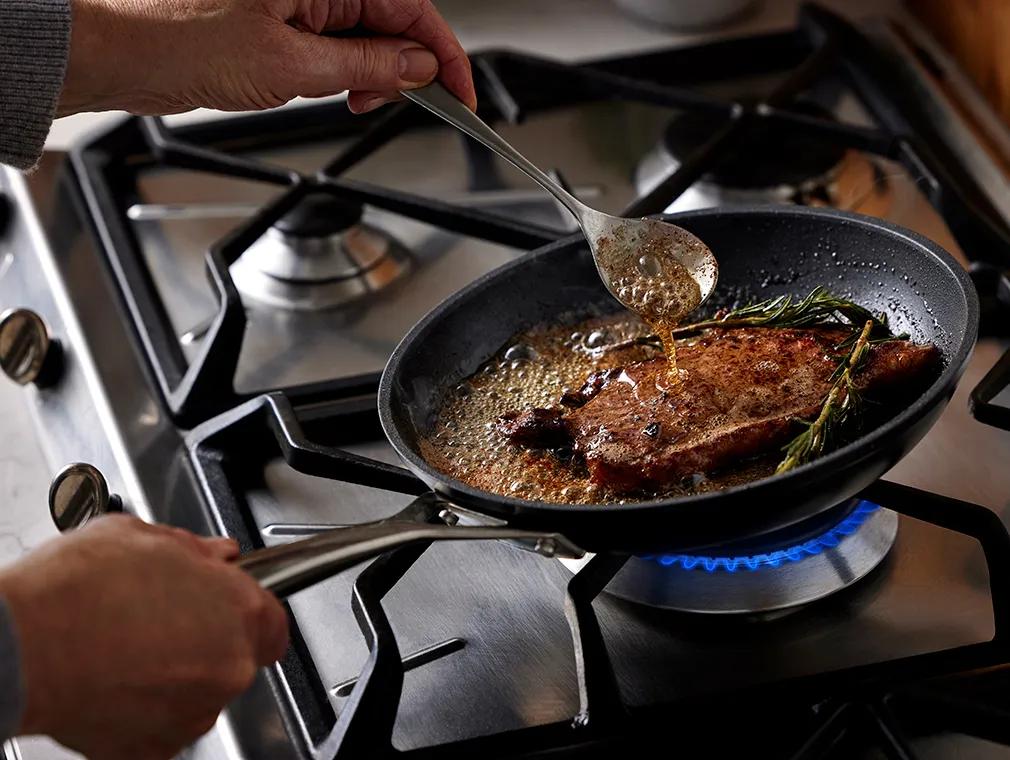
(503, 657)
(931, 593)
(516, 665)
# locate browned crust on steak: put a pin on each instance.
(740, 394)
(535, 428)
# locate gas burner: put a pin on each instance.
(788, 569)
(766, 168)
(318, 256)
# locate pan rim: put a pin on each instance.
(506, 507)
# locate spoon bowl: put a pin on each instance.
(654, 268)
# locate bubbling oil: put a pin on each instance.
(533, 370)
(646, 277)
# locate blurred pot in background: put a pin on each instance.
(684, 14)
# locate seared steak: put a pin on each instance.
(740, 393)
(535, 428)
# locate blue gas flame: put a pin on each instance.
(828, 540)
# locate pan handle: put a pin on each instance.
(995, 382)
(290, 568)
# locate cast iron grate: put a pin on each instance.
(881, 704)
(512, 86)
(193, 391)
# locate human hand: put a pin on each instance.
(163, 56)
(134, 636)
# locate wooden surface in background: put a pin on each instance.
(977, 33)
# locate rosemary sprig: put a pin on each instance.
(818, 308)
(841, 406)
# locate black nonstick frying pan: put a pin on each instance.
(762, 252)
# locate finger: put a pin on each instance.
(127, 529)
(182, 536)
(118, 521)
(271, 628)
(364, 101)
(214, 548)
(275, 632)
(225, 549)
(416, 20)
(323, 66)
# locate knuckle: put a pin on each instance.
(238, 676)
(114, 523)
(372, 65)
(156, 542)
(254, 606)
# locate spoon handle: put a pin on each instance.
(447, 106)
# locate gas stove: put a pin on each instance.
(202, 313)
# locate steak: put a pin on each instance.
(740, 395)
(535, 428)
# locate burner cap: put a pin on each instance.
(763, 157)
(320, 255)
(777, 572)
(319, 215)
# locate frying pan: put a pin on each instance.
(762, 252)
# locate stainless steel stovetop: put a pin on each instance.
(483, 627)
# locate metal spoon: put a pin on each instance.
(654, 268)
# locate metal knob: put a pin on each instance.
(79, 493)
(28, 353)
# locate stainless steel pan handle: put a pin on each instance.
(287, 569)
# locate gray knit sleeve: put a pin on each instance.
(34, 43)
(11, 687)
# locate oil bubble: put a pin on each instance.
(521, 352)
(650, 266)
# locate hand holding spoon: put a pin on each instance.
(654, 268)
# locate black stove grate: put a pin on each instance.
(883, 704)
(197, 390)
(880, 704)
(512, 86)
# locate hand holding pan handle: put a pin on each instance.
(287, 569)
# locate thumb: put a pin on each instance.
(327, 66)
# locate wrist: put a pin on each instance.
(96, 59)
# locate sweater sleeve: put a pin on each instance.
(11, 686)
(34, 44)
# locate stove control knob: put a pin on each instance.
(79, 493)
(28, 353)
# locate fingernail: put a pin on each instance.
(371, 104)
(417, 65)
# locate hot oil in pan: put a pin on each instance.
(532, 372)
(656, 286)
